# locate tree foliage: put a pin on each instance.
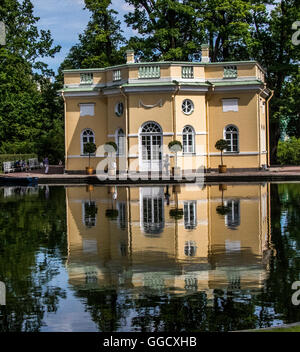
(99, 44)
(30, 111)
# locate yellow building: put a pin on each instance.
(142, 246)
(144, 106)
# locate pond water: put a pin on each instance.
(163, 258)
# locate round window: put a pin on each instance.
(187, 106)
(119, 108)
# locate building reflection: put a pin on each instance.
(174, 238)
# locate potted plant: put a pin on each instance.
(222, 209)
(221, 145)
(90, 148)
(111, 148)
(175, 147)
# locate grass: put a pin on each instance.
(287, 329)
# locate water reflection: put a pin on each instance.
(169, 258)
(178, 239)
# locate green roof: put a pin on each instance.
(236, 83)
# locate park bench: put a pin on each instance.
(8, 166)
(33, 163)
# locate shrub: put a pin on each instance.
(288, 152)
(221, 145)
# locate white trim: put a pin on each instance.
(78, 85)
(238, 79)
(149, 88)
(85, 156)
(81, 94)
(168, 79)
(133, 135)
(235, 153)
(234, 88)
(199, 133)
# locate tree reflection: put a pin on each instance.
(32, 241)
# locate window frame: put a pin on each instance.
(82, 143)
(117, 106)
(183, 108)
(231, 139)
(85, 104)
(186, 134)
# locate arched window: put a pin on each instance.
(87, 136)
(151, 127)
(150, 147)
(188, 139)
(120, 141)
(232, 137)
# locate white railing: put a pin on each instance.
(116, 75)
(187, 72)
(86, 78)
(149, 72)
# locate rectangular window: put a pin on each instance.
(187, 72)
(190, 215)
(230, 72)
(86, 78)
(87, 109)
(230, 105)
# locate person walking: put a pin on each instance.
(46, 164)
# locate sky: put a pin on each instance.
(66, 19)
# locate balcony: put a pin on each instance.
(117, 75)
(187, 72)
(230, 72)
(149, 72)
(86, 78)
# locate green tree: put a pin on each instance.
(271, 45)
(289, 109)
(29, 108)
(168, 29)
(99, 44)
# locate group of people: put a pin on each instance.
(20, 165)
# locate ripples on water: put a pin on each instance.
(169, 258)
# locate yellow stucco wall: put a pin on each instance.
(208, 119)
